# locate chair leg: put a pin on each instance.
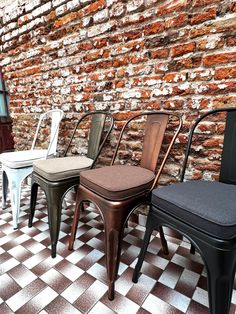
(114, 229)
(54, 201)
(163, 241)
(15, 191)
(192, 249)
(33, 199)
(149, 229)
(4, 188)
(78, 208)
(220, 266)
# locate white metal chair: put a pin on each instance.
(16, 166)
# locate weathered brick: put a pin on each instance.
(159, 53)
(182, 49)
(200, 17)
(177, 21)
(153, 28)
(220, 58)
(201, 3)
(225, 73)
(172, 6)
(212, 42)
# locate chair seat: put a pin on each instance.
(117, 182)
(58, 169)
(209, 206)
(24, 158)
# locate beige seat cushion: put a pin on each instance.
(23, 158)
(57, 169)
(117, 182)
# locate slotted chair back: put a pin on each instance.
(95, 135)
(228, 162)
(228, 157)
(155, 128)
(55, 115)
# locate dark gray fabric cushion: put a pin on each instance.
(210, 206)
(117, 182)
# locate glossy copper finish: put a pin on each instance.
(115, 214)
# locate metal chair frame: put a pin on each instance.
(115, 214)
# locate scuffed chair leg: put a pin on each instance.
(33, 199)
(163, 241)
(192, 249)
(15, 188)
(54, 217)
(4, 189)
(142, 253)
(78, 208)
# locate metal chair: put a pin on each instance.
(204, 211)
(117, 190)
(18, 165)
(56, 177)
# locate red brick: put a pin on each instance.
(133, 34)
(182, 49)
(225, 73)
(94, 7)
(153, 28)
(184, 63)
(224, 101)
(220, 58)
(210, 43)
(200, 31)
(85, 46)
(173, 104)
(175, 77)
(100, 42)
(201, 3)
(177, 21)
(91, 56)
(231, 40)
(172, 6)
(160, 53)
(65, 19)
(220, 88)
(201, 17)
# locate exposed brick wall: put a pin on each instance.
(124, 56)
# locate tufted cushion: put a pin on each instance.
(57, 169)
(209, 206)
(23, 158)
(117, 182)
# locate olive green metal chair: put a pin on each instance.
(56, 177)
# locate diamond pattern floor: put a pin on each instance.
(75, 282)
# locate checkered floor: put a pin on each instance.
(75, 282)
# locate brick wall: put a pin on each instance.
(122, 56)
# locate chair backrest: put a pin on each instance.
(155, 128)
(228, 158)
(55, 116)
(101, 125)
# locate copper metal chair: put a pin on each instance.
(58, 176)
(204, 211)
(117, 190)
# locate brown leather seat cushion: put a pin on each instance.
(117, 182)
(57, 169)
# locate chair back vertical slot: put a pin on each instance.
(228, 163)
(95, 135)
(154, 134)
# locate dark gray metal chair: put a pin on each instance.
(205, 213)
(56, 177)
